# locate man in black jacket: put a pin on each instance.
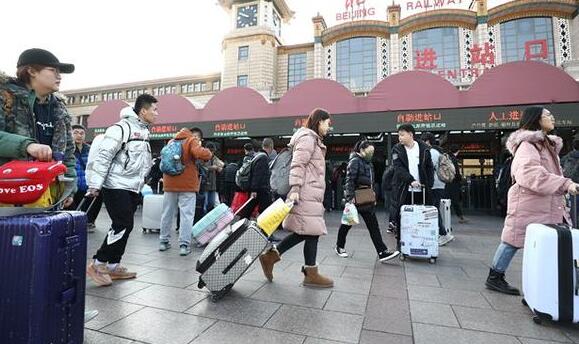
(413, 172)
(259, 180)
(453, 188)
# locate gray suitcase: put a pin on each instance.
(229, 255)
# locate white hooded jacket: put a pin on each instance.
(112, 166)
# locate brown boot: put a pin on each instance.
(313, 279)
(267, 261)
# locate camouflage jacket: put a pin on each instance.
(18, 125)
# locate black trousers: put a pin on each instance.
(94, 211)
(228, 192)
(437, 195)
(310, 246)
(453, 192)
(371, 221)
(263, 199)
(121, 206)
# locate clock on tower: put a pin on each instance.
(246, 16)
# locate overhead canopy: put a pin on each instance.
(512, 84)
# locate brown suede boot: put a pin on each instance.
(267, 261)
(313, 279)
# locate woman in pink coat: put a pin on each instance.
(307, 181)
(538, 193)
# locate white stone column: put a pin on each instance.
(394, 54)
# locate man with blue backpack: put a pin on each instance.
(181, 184)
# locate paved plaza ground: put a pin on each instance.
(371, 303)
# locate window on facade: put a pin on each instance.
(528, 39)
(203, 87)
(189, 88)
(83, 120)
(216, 85)
(243, 53)
(296, 69)
(242, 81)
(356, 63)
(197, 87)
(173, 89)
(437, 50)
(183, 88)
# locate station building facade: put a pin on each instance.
(464, 72)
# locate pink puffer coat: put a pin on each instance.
(538, 194)
(307, 178)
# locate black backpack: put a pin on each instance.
(202, 176)
(504, 182)
(387, 178)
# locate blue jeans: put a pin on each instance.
(211, 201)
(184, 203)
(503, 257)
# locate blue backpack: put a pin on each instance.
(171, 158)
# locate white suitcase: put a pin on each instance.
(419, 232)
(152, 211)
(445, 215)
(550, 272)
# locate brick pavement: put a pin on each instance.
(410, 302)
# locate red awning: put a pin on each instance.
(516, 83)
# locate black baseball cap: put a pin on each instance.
(44, 58)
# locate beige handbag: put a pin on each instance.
(364, 196)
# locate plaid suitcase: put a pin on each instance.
(229, 255)
(42, 261)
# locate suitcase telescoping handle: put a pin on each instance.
(423, 195)
(84, 200)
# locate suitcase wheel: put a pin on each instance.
(432, 260)
(201, 284)
(402, 257)
(144, 230)
(537, 320)
(216, 296)
(524, 302)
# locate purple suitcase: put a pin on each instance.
(42, 264)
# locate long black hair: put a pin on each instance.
(531, 119)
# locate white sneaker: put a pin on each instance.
(445, 239)
(341, 252)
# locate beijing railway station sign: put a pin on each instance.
(350, 10)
